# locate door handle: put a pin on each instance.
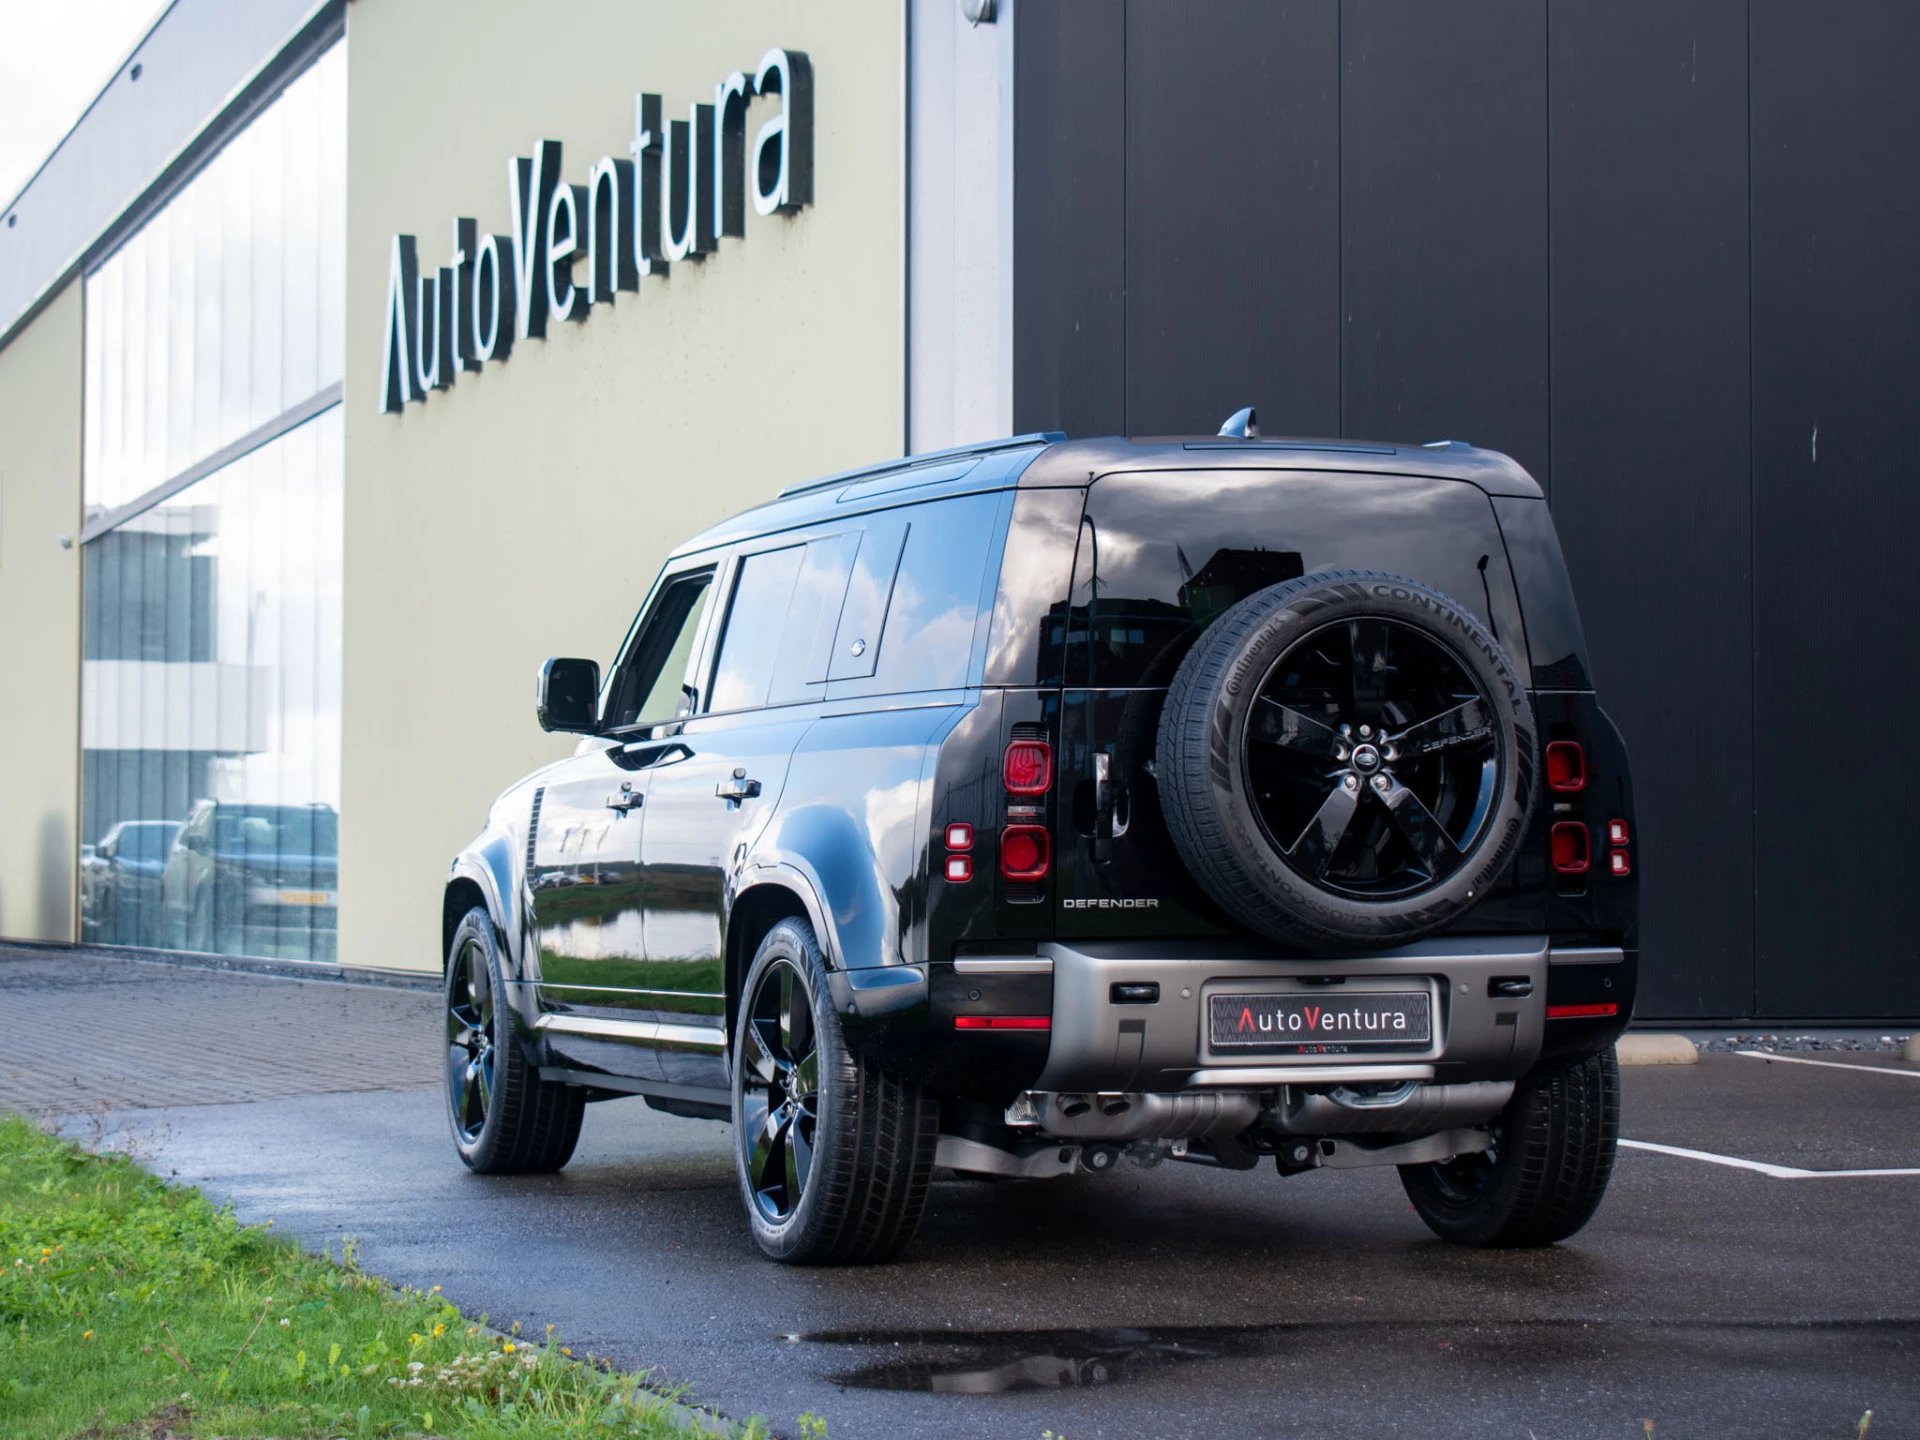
(628, 798)
(737, 788)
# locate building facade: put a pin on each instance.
(355, 357)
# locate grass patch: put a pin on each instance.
(131, 1309)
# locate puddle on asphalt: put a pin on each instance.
(948, 1362)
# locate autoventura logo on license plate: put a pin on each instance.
(1399, 1020)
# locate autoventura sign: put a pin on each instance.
(683, 188)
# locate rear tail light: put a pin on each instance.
(1571, 855)
(1028, 768)
(959, 868)
(1566, 766)
(1617, 832)
(1618, 863)
(1026, 852)
(1002, 1022)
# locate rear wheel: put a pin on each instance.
(834, 1156)
(506, 1119)
(1545, 1172)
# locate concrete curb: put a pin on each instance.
(1911, 1050)
(1658, 1047)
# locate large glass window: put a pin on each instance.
(210, 677)
(224, 310)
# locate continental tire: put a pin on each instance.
(1346, 759)
(506, 1120)
(834, 1156)
(1552, 1156)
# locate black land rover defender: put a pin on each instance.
(1019, 808)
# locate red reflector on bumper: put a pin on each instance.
(1582, 1012)
(1002, 1022)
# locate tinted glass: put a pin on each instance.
(800, 671)
(935, 603)
(146, 842)
(277, 829)
(756, 620)
(1163, 555)
(210, 672)
(649, 687)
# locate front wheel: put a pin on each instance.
(1545, 1172)
(834, 1156)
(506, 1119)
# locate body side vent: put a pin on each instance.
(533, 825)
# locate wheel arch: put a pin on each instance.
(777, 893)
(482, 875)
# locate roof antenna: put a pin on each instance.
(1242, 425)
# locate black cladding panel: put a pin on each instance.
(1443, 173)
(1069, 230)
(1232, 216)
(1648, 119)
(1836, 373)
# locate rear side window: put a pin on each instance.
(911, 626)
(778, 639)
(1162, 556)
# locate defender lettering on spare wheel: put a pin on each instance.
(1029, 807)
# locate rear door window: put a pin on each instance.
(1161, 556)
(788, 599)
(757, 618)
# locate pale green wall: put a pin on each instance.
(524, 513)
(40, 436)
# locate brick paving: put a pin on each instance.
(86, 1032)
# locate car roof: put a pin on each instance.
(1051, 460)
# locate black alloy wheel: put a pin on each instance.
(833, 1155)
(780, 1090)
(1545, 1170)
(1346, 759)
(1463, 1179)
(470, 1057)
(1372, 759)
(506, 1119)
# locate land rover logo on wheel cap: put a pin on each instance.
(1366, 759)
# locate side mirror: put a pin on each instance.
(569, 696)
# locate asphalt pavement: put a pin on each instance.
(1708, 1299)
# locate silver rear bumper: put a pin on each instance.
(1490, 1013)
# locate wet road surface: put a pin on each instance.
(1175, 1301)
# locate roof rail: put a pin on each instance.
(982, 447)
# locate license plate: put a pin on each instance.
(1336, 1023)
(306, 897)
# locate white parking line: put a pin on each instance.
(1774, 1172)
(1829, 1064)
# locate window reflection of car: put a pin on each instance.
(254, 879)
(91, 866)
(120, 882)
